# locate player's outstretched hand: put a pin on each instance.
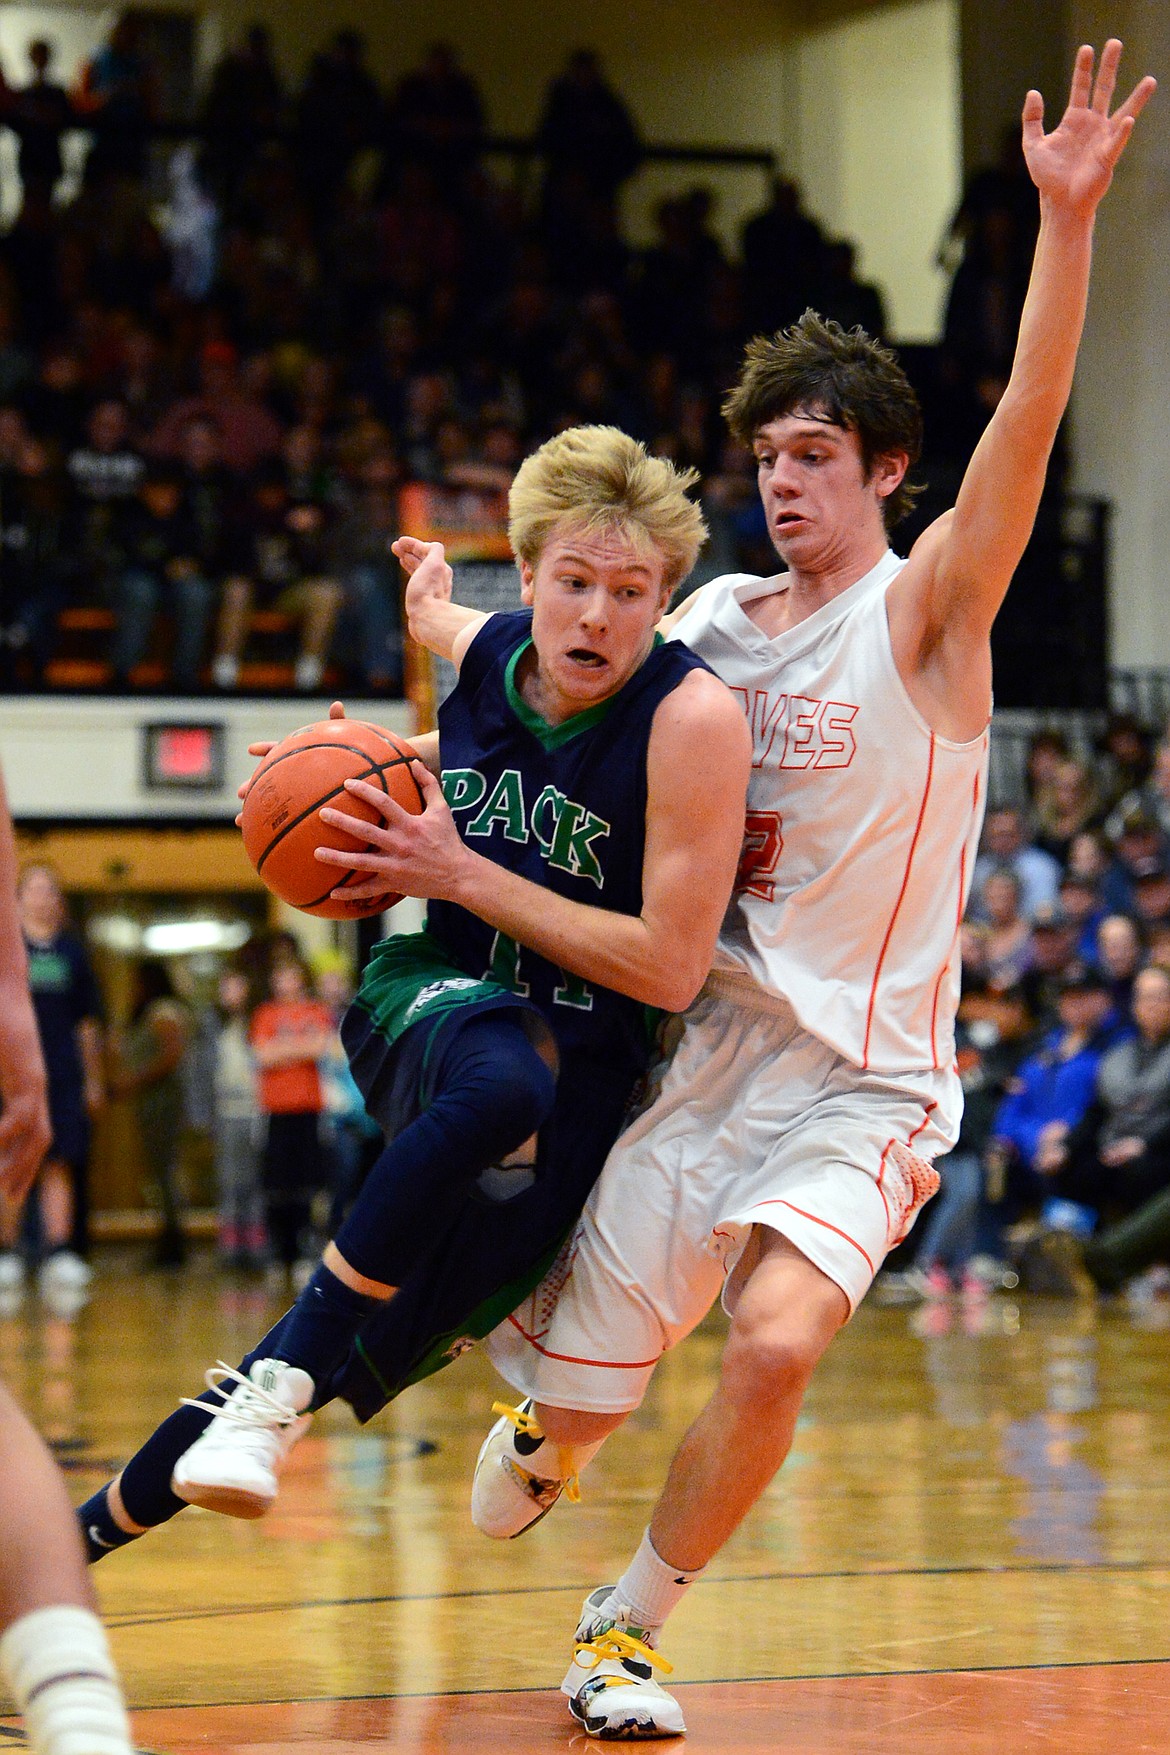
(1073, 166)
(414, 855)
(429, 583)
(260, 750)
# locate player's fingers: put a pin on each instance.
(1106, 76)
(430, 788)
(364, 859)
(337, 709)
(1033, 117)
(368, 890)
(1137, 100)
(1116, 143)
(1082, 79)
(389, 807)
(359, 827)
(261, 749)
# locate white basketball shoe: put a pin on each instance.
(233, 1466)
(610, 1684)
(518, 1475)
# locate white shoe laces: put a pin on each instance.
(255, 1406)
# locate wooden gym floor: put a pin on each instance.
(969, 1549)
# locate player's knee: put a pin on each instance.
(514, 1088)
(767, 1362)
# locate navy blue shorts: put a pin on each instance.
(496, 1251)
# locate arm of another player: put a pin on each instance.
(24, 1116)
(942, 606)
(697, 766)
(445, 628)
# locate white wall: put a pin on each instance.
(877, 146)
(1121, 400)
(76, 757)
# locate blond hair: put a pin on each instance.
(599, 479)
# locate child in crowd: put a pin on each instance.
(239, 1130)
(291, 1033)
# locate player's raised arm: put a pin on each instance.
(445, 628)
(948, 596)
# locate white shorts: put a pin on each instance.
(757, 1122)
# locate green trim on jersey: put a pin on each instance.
(551, 737)
(410, 978)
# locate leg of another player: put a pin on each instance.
(53, 1649)
(787, 1314)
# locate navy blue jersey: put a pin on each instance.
(64, 993)
(563, 805)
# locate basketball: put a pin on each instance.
(281, 820)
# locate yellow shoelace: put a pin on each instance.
(529, 1424)
(613, 1643)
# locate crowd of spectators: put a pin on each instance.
(248, 1079)
(218, 366)
(1062, 1171)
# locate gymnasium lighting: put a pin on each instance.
(174, 938)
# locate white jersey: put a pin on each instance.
(861, 831)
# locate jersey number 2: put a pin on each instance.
(763, 844)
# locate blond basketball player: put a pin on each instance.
(53, 1652)
(791, 1145)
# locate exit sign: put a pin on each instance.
(189, 757)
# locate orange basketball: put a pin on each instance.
(281, 819)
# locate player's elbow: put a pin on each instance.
(676, 986)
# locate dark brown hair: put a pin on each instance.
(843, 375)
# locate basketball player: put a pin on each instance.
(587, 764)
(790, 1147)
(53, 1650)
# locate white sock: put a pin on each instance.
(57, 1663)
(650, 1588)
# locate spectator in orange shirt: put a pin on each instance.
(290, 1034)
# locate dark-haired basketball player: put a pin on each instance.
(790, 1146)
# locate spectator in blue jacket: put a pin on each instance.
(1054, 1087)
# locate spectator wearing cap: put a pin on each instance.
(1005, 844)
(1119, 957)
(1151, 897)
(1053, 1089)
(1053, 958)
(1137, 848)
(1080, 900)
(249, 433)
